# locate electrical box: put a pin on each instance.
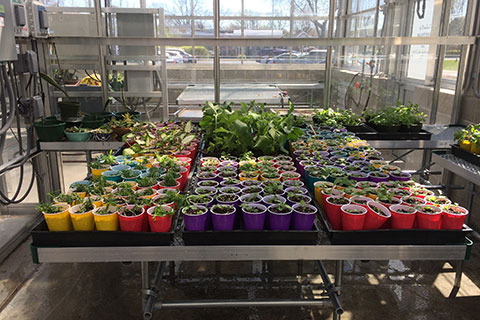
(38, 19)
(20, 19)
(8, 49)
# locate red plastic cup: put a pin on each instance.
(388, 205)
(352, 221)
(454, 221)
(429, 220)
(360, 199)
(336, 193)
(159, 224)
(132, 224)
(402, 220)
(333, 212)
(421, 201)
(373, 220)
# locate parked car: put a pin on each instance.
(314, 56)
(177, 57)
(284, 58)
(268, 53)
(187, 57)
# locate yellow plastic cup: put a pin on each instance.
(59, 221)
(475, 148)
(97, 173)
(465, 145)
(82, 221)
(106, 222)
(80, 194)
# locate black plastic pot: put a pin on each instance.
(414, 129)
(134, 115)
(93, 120)
(49, 130)
(69, 109)
(387, 129)
(107, 115)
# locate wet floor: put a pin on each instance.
(372, 290)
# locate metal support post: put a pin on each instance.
(216, 59)
(339, 275)
(331, 289)
(145, 282)
(151, 294)
(458, 279)
(328, 66)
(470, 195)
(101, 52)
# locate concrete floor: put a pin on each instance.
(372, 290)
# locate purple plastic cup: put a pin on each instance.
(223, 222)
(266, 199)
(301, 220)
(207, 183)
(361, 176)
(232, 203)
(252, 189)
(250, 183)
(293, 183)
(382, 177)
(404, 176)
(258, 200)
(279, 221)
(230, 190)
(206, 204)
(304, 198)
(195, 222)
(227, 183)
(206, 176)
(211, 191)
(256, 220)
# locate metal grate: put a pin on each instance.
(465, 165)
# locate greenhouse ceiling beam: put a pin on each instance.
(368, 41)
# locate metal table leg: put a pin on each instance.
(458, 279)
(145, 282)
(152, 292)
(338, 284)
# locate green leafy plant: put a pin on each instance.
(48, 208)
(160, 211)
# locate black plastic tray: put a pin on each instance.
(240, 236)
(375, 135)
(43, 238)
(394, 236)
(465, 155)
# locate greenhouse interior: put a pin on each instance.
(240, 159)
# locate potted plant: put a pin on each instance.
(428, 217)
(386, 121)
(106, 217)
(160, 218)
(270, 175)
(131, 218)
(69, 198)
(248, 175)
(145, 193)
(329, 192)
(253, 216)
(438, 201)
(386, 197)
(49, 129)
(318, 187)
(296, 190)
(453, 217)
(208, 183)
(400, 193)
(303, 216)
(377, 215)
(293, 183)
(82, 216)
(352, 217)
(223, 217)
(130, 175)
(279, 216)
(289, 175)
(206, 175)
(102, 134)
(252, 189)
(206, 191)
(146, 182)
(398, 175)
(230, 182)
(332, 205)
(358, 176)
(273, 199)
(228, 199)
(410, 117)
(294, 198)
(378, 176)
(422, 193)
(250, 183)
(98, 168)
(403, 216)
(56, 215)
(230, 190)
(169, 181)
(68, 108)
(360, 201)
(251, 198)
(122, 126)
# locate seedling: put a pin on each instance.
(251, 209)
(131, 212)
(338, 201)
(161, 212)
(223, 209)
(353, 211)
(281, 208)
(226, 197)
(48, 208)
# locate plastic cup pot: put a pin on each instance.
(252, 189)
(279, 216)
(358, 176)
(131, 218)
(318, 187)
(208, 161)
(378, 163)
(146, 193)
(230, 183)
(195, 217)
(422, 193)
(106, 218)
(223, 217)
(97, 172)
(360, 201)
(208, 183)
(400, 193)
(250, 175)
(206, 175)
(438, 201)
(112, 175)
(377, 216)
(353, 217)
(332, 207)
(273, 199)
(378, 176)
(120, 167)
(453, 217)
(293, 183)
(303, 216)
(253, 216)
(389, 202)
(230, 190)
(413, 201)
(329, 192)
(428, 217)
(250, 183)
(366, 184)
(183, 153)
(228, 199)
(251, 198)
(297, 198)
(403, 216)
(184, 176)
(296, 190)
(82, 220)
(160, 218)
(400, 176)
(161, 185)
(290, 175)
(59, 221)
